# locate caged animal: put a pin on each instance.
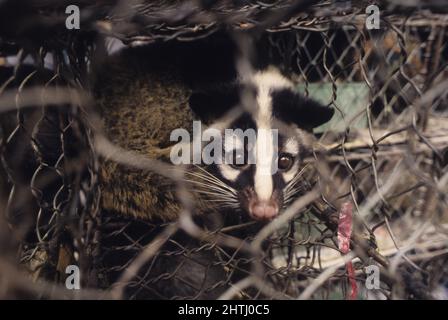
(274, 104)
(141, 102)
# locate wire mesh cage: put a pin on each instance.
(376, 180)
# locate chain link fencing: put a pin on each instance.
(382, 159)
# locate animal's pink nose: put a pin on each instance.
(263, 210)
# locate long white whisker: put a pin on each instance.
(216, 179)
(296, 178)
(213, 182)
(292, 194)
(221, 185)
(211, 186)
(219, 192)
(208, 174)
(223, 201)
(216, 195)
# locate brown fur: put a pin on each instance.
(139, 109)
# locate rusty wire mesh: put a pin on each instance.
(387, 156)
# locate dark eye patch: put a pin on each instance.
(244, 122)
(212, 104)
(291, 107)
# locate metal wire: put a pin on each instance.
(387, 155)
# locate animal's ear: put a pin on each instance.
(313, 114)
(212, 104)
(292, 107)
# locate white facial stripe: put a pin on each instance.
(263, 183)
(263, 117)
(228, 172)
(265, 82)
(271, 79)
(292, 146)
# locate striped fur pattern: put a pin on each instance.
(270, 103)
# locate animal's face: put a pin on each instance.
(259, 175)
